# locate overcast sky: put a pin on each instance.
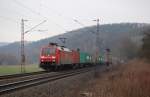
(60, 14)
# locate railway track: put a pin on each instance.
(3, 77)
(10, 87)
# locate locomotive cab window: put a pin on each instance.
(48, 51)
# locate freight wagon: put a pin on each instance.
(85, 59)
(100, 60)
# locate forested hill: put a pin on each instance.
(122, 39)
(3, 43)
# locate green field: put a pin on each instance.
(7, 69)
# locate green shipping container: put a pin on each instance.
(85, 58)
(101, 59)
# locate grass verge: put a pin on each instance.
(14, 69)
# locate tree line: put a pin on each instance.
(145, 49)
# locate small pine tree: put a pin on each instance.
(145, 51)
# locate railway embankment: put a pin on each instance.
(56, 88)
(128, 80)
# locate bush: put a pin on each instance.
(145, 50)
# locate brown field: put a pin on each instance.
(129, 80)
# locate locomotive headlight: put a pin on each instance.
(53, 57)
(42, 57)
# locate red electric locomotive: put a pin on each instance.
(53, 57)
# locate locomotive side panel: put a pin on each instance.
(76, 57)
(65, 58)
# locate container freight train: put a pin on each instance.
(54, 57)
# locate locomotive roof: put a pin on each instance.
(64, 49)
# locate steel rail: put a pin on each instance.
(9, 76)
(10, 87)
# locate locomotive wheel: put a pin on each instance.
(56, 68)
(81, 65)
(73, 66)
(48, 69)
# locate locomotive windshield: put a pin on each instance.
(48, 51)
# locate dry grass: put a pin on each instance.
(130, 80)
